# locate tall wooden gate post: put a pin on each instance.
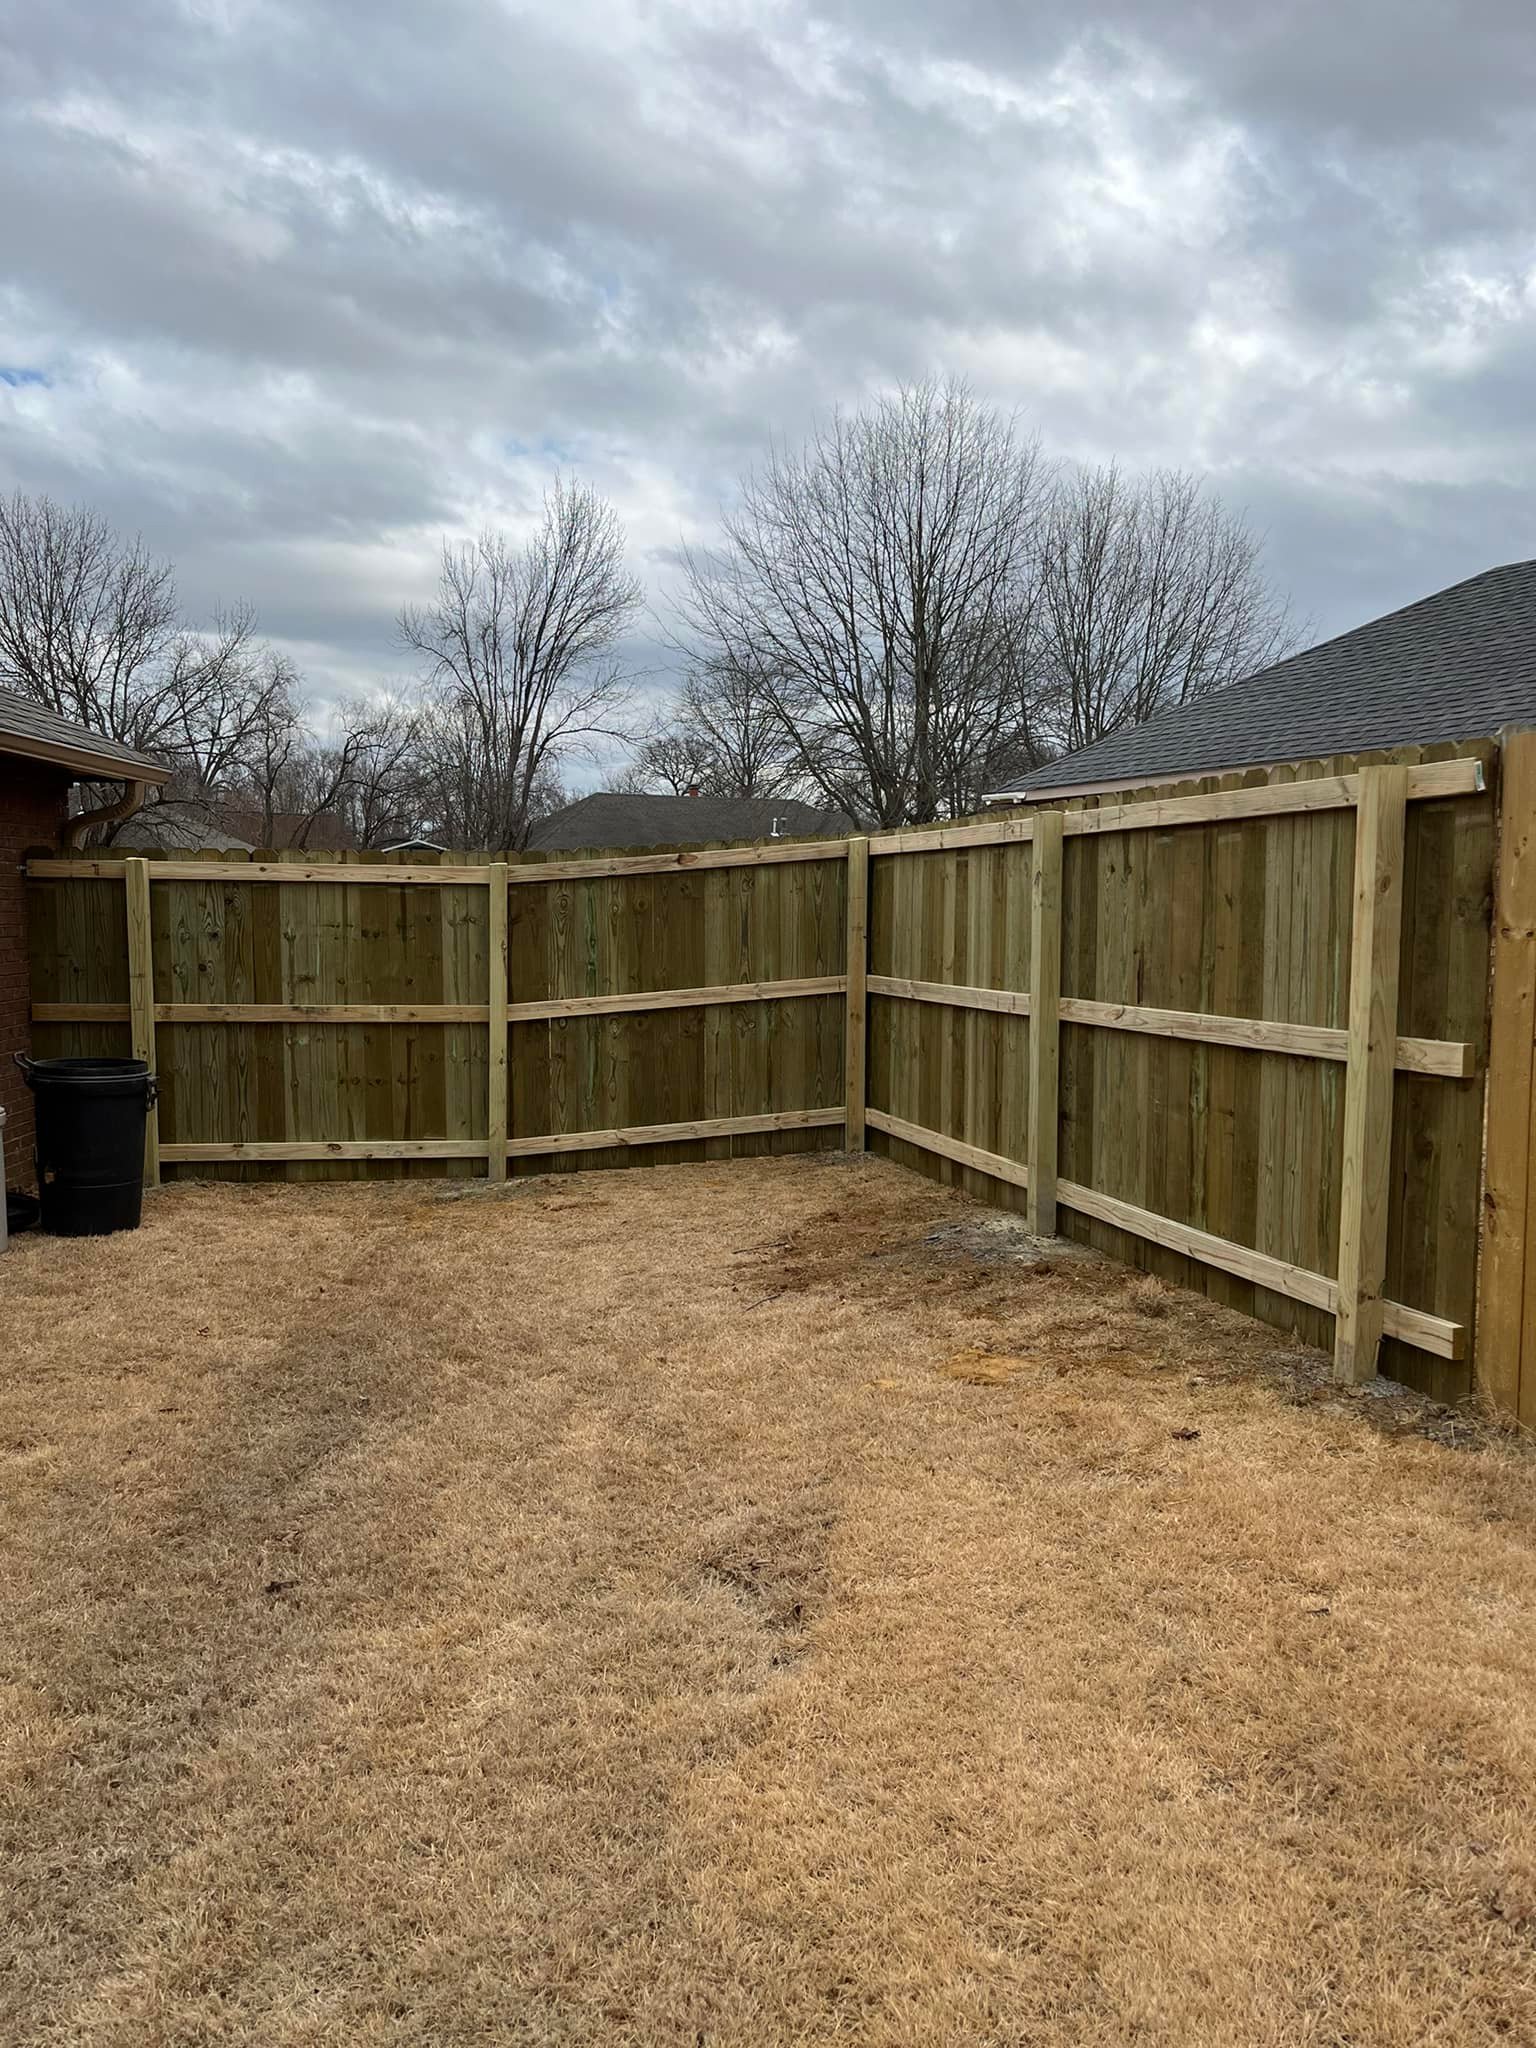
(1375, 947)
(496, 1070)
(1044, 1020)
(1504, 1273)
(856, 1050)
(141, 998)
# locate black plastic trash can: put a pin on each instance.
(90, 1118)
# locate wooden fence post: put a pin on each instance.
(856, 1049)
(496, 1070)
(1044, 1019)
(1375, 946)
(1503, 1278)
(141, 998)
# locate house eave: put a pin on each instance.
(84, 763)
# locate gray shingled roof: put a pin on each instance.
(613, 819)
(27, 729)
(1455, 666)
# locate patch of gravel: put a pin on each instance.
(994, 1240)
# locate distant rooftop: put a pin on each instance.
(1455, 666)
(612, 818)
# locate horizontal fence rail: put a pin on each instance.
(1002, 997)
(1452, 1058)
(1430, 1333)
(446, 1013)
(257, 1152)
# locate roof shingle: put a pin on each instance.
(27, 728)
(1458, 665)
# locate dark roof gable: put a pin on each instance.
(613, 818)
(1458, 665)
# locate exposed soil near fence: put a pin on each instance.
(753, 1603)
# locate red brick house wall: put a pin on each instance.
(33, 803)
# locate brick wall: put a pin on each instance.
(32, 806)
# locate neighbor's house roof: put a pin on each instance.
(26, 729)
(612, 818)
(320, 832)
(1455, 666)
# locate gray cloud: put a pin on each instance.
(311, 285)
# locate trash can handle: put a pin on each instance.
(152, 1090)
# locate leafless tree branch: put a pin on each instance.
(519, 665)
(876, 587)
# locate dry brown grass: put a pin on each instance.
(692, 1607)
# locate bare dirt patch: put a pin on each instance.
(756, 1603)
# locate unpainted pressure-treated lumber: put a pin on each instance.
(1008, 1002)
(497, 1051)
(219, 870)
(1506, 1366)
(948, 1148)
(141, 999)
(446, 1013)
(1277, 799)
(775, 854)
(1297, 1283)
(1044, 1020)
(1431, 1333)
(856, 1032)
(675, 1133)
(677, 998)
(1166, 935)
(1010, 831)
(1451, 1059)
(269, 1151)
(1375, 942)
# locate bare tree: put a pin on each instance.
(519, 665)
(276, 768)
(86, 619)
(873, 583)
(669, 761)
(365, 771)
(723, 735)
(374, 763)
(1151, 594)
(223, 697)
(90, 627)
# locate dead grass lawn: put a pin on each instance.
(694, 1607)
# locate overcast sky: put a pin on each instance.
(295, 289)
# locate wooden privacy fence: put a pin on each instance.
(1239, 1036)
(393, 989)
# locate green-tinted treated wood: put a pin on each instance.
(141, 1000)
(1240, 912)
(1375, 949)
(1506, 1348)
(856, 970)
(497, 1032)
(1231, 918)
(1044, 1020)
